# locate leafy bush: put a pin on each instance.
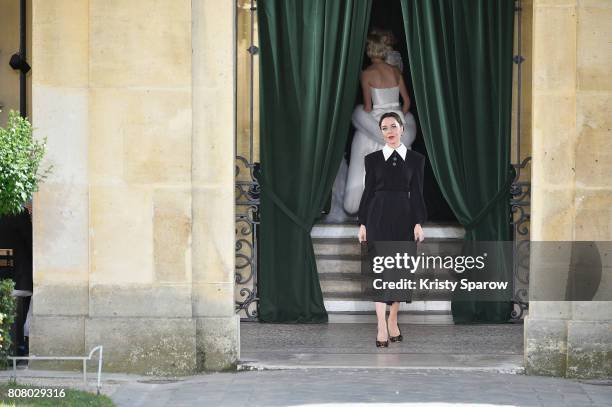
(7, 316)
(20, 156)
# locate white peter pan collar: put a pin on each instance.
(401, 150)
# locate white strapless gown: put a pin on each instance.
(368, 138)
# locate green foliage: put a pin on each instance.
(20, 156)
(7, 316)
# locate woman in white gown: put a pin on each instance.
(382, 84)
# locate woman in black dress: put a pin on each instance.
(392, 206)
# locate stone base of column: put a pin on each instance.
(589, 349)
(218, 343)
(568, 348)
(545, 346)
(149, 346)
(57, 336)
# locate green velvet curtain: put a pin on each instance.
(460, 56)
(311, 54)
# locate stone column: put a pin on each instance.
(60, 81)
(112, 92)
(214, 101)
(571, 192)
(140, 185)
(589, 332)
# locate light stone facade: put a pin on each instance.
(134, 228)
(571, 187)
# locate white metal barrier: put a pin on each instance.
(83, 358)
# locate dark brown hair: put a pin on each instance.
(390, 114)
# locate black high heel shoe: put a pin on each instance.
(397, 338)
(382, 344)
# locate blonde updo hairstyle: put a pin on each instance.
(386, 36)
(376, 46)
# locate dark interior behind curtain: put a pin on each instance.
(460, 56)
(311, 53)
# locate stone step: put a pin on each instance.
(349, 230)
(354, 290)
(360, 306)
(350, 266)
(338, 264)
(351, 247)
(415, 312)
(336, 246)
(341, 277)
(338, 257)
(358, 296)
(440, 247)
(341, 247)
(356, 276)
(420, 318)
(338, 286)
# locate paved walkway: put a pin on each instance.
(319, 370)
(365, 387)
(340, 387)
(495, 348)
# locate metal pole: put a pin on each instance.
(518, 59)
(22, 53)
(252, 52)
(99, 369)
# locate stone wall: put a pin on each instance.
(571, 189)
(133, 230)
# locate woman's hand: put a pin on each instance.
(419, 236)
(362, 234)
(406, 108)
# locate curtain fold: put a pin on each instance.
(460, 55)
(310, 60)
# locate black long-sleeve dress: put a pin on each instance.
(391, 205)
(392, 201)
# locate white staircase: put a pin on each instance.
(337, 253)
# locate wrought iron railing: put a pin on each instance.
(520, 213)
(247, 223)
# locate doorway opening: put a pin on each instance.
(334, 239)
(387, 16)
(334, 236)
(337, 256)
